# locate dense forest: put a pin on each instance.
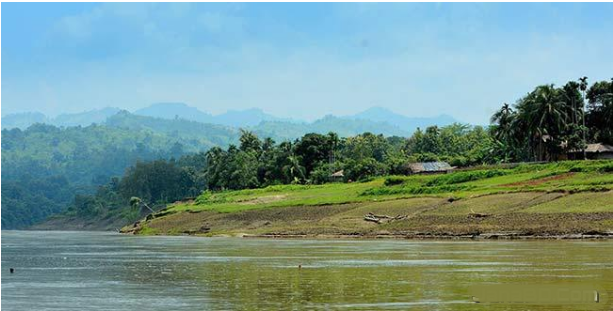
(46, 169)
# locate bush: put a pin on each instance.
(577, 169)
(606, 168)
(394, 180)
(416, 190)
(461, 177)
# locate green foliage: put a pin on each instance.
(395, 180)
(45, 167)
(550, 121)
(599, 118)
(416, 190)
(459, 144)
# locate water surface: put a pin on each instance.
(108, 271)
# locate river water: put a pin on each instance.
(108, 271)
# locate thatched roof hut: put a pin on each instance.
(338, 174)
(593, 151)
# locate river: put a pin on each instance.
(108, 271)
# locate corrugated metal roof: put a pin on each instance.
(430, 167)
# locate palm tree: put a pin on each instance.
(504, 130)
(503, 118)
(545, 116)
(137, 203)
(293, 170)
(583, 88)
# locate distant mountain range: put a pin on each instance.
(236, 118)
(380, 114)
(24, 120)
(376, 120)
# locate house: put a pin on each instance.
(337, 176)
(593, 151)
(429, 168)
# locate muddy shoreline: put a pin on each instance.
(429, 236)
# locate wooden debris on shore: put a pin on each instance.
(379, 219)
(474, 214)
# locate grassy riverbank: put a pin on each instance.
(542, 200)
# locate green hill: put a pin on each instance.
(44, 167)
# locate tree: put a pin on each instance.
(313, 149)
(249, 142)
(599, 116)
(136, 203)
(583, 86)
(543, 112)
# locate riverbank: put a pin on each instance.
(76, 223)
(516, 215)
(560, 200)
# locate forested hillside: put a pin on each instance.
(284, 130)
(44, 166)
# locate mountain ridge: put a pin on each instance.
(378, 120)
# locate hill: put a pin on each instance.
(25, 120)
(375, 120)
(245, 118)
(342, 126)
(408, 124)
(175, 111)
(196, 135)
(44, 167)
(569, 199)
(86, 118)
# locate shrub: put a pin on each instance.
(606, 168)
(461, 177)
(416, 190)
(394, 180)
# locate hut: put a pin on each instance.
(337, 176)
(429, 168)
(593, 151)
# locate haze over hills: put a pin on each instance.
(175, 111)
(377, 120)
(85, 118)
(344, 127)
(25, 119)
(381, 114)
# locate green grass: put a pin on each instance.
(560, 177)
(577, 203)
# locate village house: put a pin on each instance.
(593, 151)
(337, 176)
(429, 168)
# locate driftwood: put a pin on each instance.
(474, 214)
(383, 218)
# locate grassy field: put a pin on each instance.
(548, 199)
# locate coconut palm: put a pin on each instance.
(583, 86)
(293, 171)
(503, 118)
(544, 113)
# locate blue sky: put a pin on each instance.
(297, 60)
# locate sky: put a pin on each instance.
(297, 60)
